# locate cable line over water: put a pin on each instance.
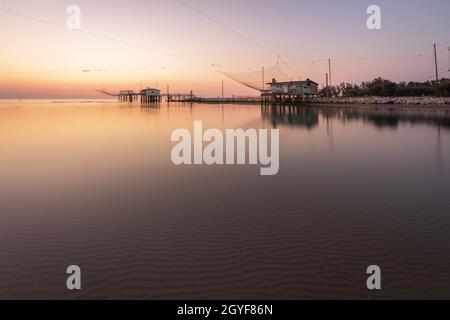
(98, 35)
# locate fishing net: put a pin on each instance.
(258, 79)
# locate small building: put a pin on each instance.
(290, 92)
(294, 88)
(150, 95)
(151, 92)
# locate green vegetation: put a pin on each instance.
(386, 88)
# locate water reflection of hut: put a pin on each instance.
(290, 115)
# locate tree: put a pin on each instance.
(350, 90)
(386, 88)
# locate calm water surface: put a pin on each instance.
(92, 184)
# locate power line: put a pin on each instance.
(240, 34)
(113, 39)
(431, 76)
(97, 35)
(359, 58)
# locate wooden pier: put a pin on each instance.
(153, 96)
(285, 98)
(145, 96)
(179, 97)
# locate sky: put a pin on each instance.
(135, 43)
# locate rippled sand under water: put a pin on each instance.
(92, 184)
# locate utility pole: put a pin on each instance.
(263, 80)
(326, 74)
(437, 72)
(222, 91)
(168, 96)
(448, 58)
(329, 69)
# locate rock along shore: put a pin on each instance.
(417, 101)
